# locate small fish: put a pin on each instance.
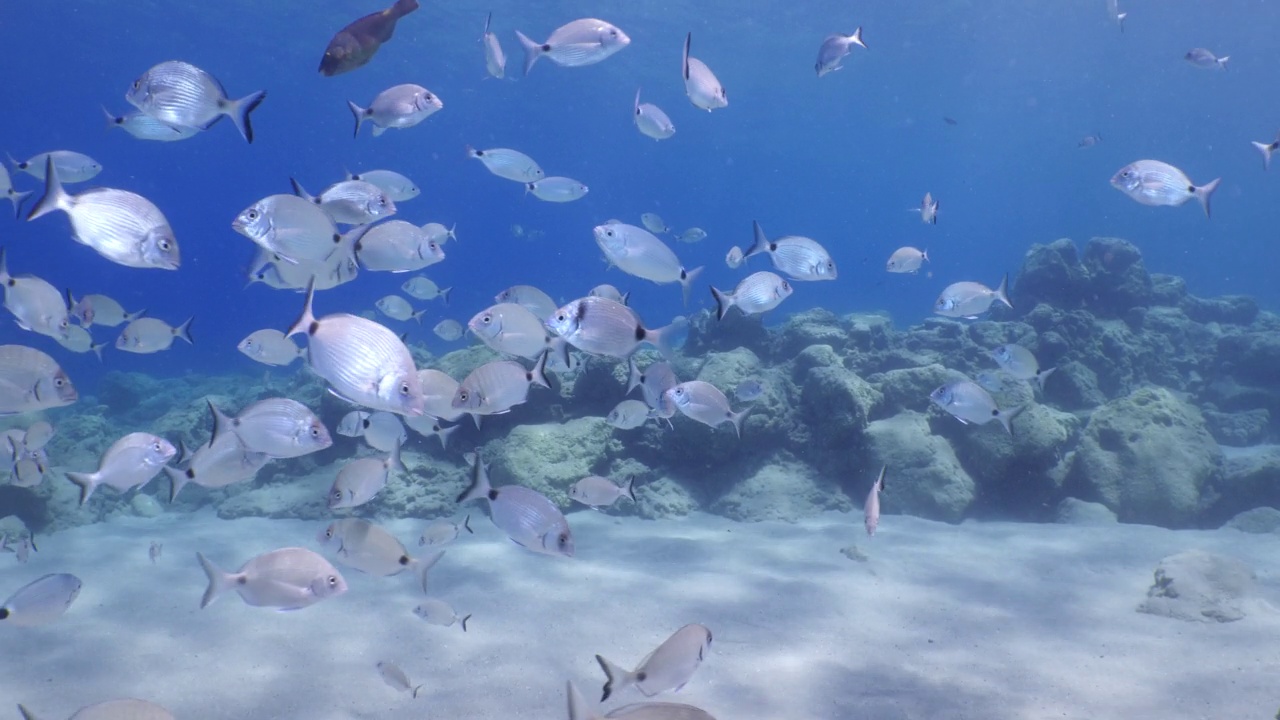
(423, 288)
(1113, 12)
(41, 601)
(735, 257)
(669, 667)
(72, 167)
(397, 246)
(221, 462)
(638, 252)
(526, 516)
(396, 108)
(834, 49)
(514, 330)
(801, 258)
(397, 187)
(38, 435)
(604, 291)
(496, 387)
(1206, 60)
(654, 224)
(144, 127)
(871, 508)
(557, 189)
(290, 226)
(692, 235)
(78, 340)
(749, 390)
(278, 427)
(131, 462)
(181, 94)
(357, 43)
(30, 380)
(700, 84)
(361, 479)
(397, 308)
(991, 381)
(285, 579)
(653, 382)
(757, 293)
(35, 303)
(448, 330)
(99, 310)
(270, 347)
(350, 202)
(970, 299)
(150, 335)
(495, 60)
(438, 391)
(508, 164)
(597, 492)
(393, 676)
(651, 121)
(6, 188)
(949, 120)
(155, 551)
(439, 612)
(531, 298)
(373, 550)
(383, 431)
(969, 403)
(704, 402)
(1155, 183)
(443, 532)
(600, 326)
(1266, 149)
(439, 233)
(1089, 141)
(928, 210)
(581, 42)
(429, 426)
(1021, 364)
(906, 260)
(628, 415)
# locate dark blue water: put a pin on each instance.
(840, 158)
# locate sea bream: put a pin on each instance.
(151, 335)
(443, 532)
(78, 340)
(30, 380)
(871, 508)
(1021, 363)
(397, 187)
(604, 291)
(396, 108)
(638, 252)
(669, 667)
(801, 258)
(382, 430)
(653, 382)
(692, 235)
(15, 196)
(757, 293)
(423, 288)
(704, 402)
(1265, 148)
(350, 202)
(396, 678)
(72, 167)
(278, 427)
(834, 49)
(270, 347)
(600, 326)
(1206, 60)
(357, 43)
(373, 550)
(515, 330)
(99, 310)
(508, 164)
(531, 298)
(496, 387)
(557, 189)
(928, 210)
(438, 391)
(41, 601)
(35, 303)
(289, 226)
(397, 308)
(968, 300)
(144, 127)
(222, 461)
(131, 462)
(495, 60)
(597, 492)
(906, 260)
(1156, 183)
(438, 612)
(448, 330)
(121, 709)
(284, 579)
(180, 94)
(579, 709)
(360, 480)
(628, 415)
(581, 42)
(969, 403)
(651, 121)
(397, 246)
(526, 516)
(700, 84)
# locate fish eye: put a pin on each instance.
(137, 83)
(404, 388)
(253, 214)
(328, 533)
(315, 432)
(486, 319)
(333, 582)
(463, 395)
(560, 317)
(336, 494)
(156, 446)
(59, 382)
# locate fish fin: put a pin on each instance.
(219, 581)
(1002, 292)
(359, 113)
(532, 51)
(724, 301)
(27, 714)
(488, 19)
(184, 331)
(1266, 149)
(301, 192)
(634, 377)
(424, 566)
(559, 347)
(1204, 192)
(464, 620)
(538, 375)
(479, 486)
(87, 482)
(737, 417)
(378, 130)
(17, 198)
(687, 278)
(130, 317)
(476, 418)
(661, 338)
(856, 38)
(880, 480)
(761, 243)
(96, 349)
(616, 678)
(222, 423)
(1042, 376)
(684, 61)
(177, 480)
(466, 524)
(630, 487)
(1006, 416)
(306, 319)
(578, 707)
(55, 198)
(1222, 61)
(238, 111)
(444, 295)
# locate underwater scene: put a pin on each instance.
(382, 359)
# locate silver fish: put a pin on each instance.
(397, 108)
(144, 127)
(122, 709)
(275, 271)
(278, 427)
(970, 299)
(749, 390)
(181, 94)
(991, 381)
(508, 164)
(928, 210)
(361, 479)
(834, 49)
(350, 202)
(121, 226)
(150, 335)
(373, 550)
(581, 42)
(397, 187)
(393, 676)
(78, 340)
(580, 710)
(692, 235)
(397, 246)
(428, 426)
(651, 121)
(597, 492)
(871, 508)
(131, 462)
(443, 532)
(628, 415)
(1266, 149)
(155, 551)
(285, 579)
(30, 380)
(397, 308)
(969, 403)
(270, 347)
(653, 223)
(653, 382)
(439, 233)
(735, 257)
(1089, 141)
(496, 387)
(495, 60)
(704, 402)
(799, 257)
(557, 189)
(1206, 60)
(1114, 14)
(438, 391)
(352, 424)
(6, 189)
(38, 435)
(72, 167)
(218, 463)
(1152, 182)
(41, 601)
(35, 303)
(601, 326)
(384, 431)
(700, 84)
(669, 667)
(604, 291)
(525, 515)
(424, 289)
(638, 252)
(289, 226)
(363, 361)
(529, 297)
(99, 310)
(906, 260)
(439, 612)
(757, 293)
(513, 330)
(448, 330)
(1020, 363)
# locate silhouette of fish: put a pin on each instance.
(356, 44)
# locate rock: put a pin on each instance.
(838, 404)
(814, 356)
(925, 478)
(1117, 279)
(302, 500)
(663, 498)
(1167, 289)
(1146, 456)
(1072, 511)
(1258, 521)
(1228, 309)
(550, 457)
(782, 489)
(1013, 472)
(816, 326)
(1200, 587)
(909, 388)
(725, 370)
(1250, 479)
(1241, 429)
(1050, 274)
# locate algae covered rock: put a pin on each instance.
(549, 457)
(1050, 274)
(1073, 511)
(664, 497)
(1258, 521)
(782, 489)
(925, 477)
(837, 403)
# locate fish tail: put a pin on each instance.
(880, 480)
(466, 524)
(219, 581)
(27, 714)
(684, 59)
(630, 487)
(616, 678)
(1266, 149)
(306, 319)
(488, 19)
(4, 269)
(423, 567)
(87, 482)
(184, 330)
(479, 486)
(1222, 61)
(737, 417)
(856, 38)
(97, 349)
(238, 111)
(464, 620)
(360, 114)
(761, 243)
(1205, 192)
(221, 422)
(686, 281)
(301, 191)
(17, 198)
(1042, 376)
(177, 480)
(130, 317)
(1002, 292)
(1006, 417)
(578, 707)
(924, 255)
(724, 301)
(400, 9)
(532, 51)
(538, 375)
(559, 348)
(444, 434)
(444, 294)
(55, 198)
(111, 119)
(634, 377)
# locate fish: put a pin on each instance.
(628, 415)
(604, 291)
(692, 235)
(290, 226)
(373, 550)
(1156, 183)
(834, 49)
(40, 601)
(580, 710)
(270, 347)
(496, 387)
(757, 293)
(653, 382)
(582, 42)
(38, 435)
(651, 121)
(130, 462)
(508, 164)
(395, 678)
(78, 340)
(1113, 12)
(363, 361)
(514, 330)
(119, 225)
(181, 94)
(150, 335)
(286, 579)
(531, 298)
(439, 233)
(350, 202)
(154, 551)
(397, 108)
(638, 252)
(735, 257)
(801, 258)
(970, 299)
(278, 427)
(600, 326)
(99, 310)
(557, 189)
(700, 84)
(355, 45)
(443, 532)
(427, 425)
(439, 612)
(906, 259)
(991, 381)
(448, 330)
(423, 288)
(397, 246)
(1089, 141)
(928, 210)
(749, 390)
(35, 303)
(653, 223)
(397, 308)
(438, 391)
(361, 479)
(1021, 364)
(1206, 60)
(144, 127)
(1266, 149)
(871, 508)
(704, 402)
(352, 424)
(122, 709)
(495, 60)
(383, 431)
(969, 403)
(24, 548)
(397, 187)
(6, 188)
(669, 667)
(597, 492)
(526, 516)
(72, 167)
(30, 381)
(222, 461)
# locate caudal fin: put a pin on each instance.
(761, 243)
(184, 331)
(479, 486)
(238, 111)
(219, 581)
(737, 417)
(360, 114)
(1002, 292)
(88, 482)
(686, 281)
(578, 707)
(1006, 417)
(1266, 149)
(178, 479)
(856, 38)
(616, 678)
(532, 51)
(55, 198)
(1205, 192)
(724, 301)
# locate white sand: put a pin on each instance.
(981, 621)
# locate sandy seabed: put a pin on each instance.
(980, 621)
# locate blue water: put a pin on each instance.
(840, 158)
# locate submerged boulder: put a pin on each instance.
(925, 477)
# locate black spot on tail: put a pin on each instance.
(337, 238)
(4, 613)
(404, 560)
(641, 676)
(773, 247)
(995, 413)
(640, 333)
(313, 327)
(493, 494)
(190, 473)
(546, 48)
(242, 581)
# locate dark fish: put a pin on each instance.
(356, 44)
(949, 120)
